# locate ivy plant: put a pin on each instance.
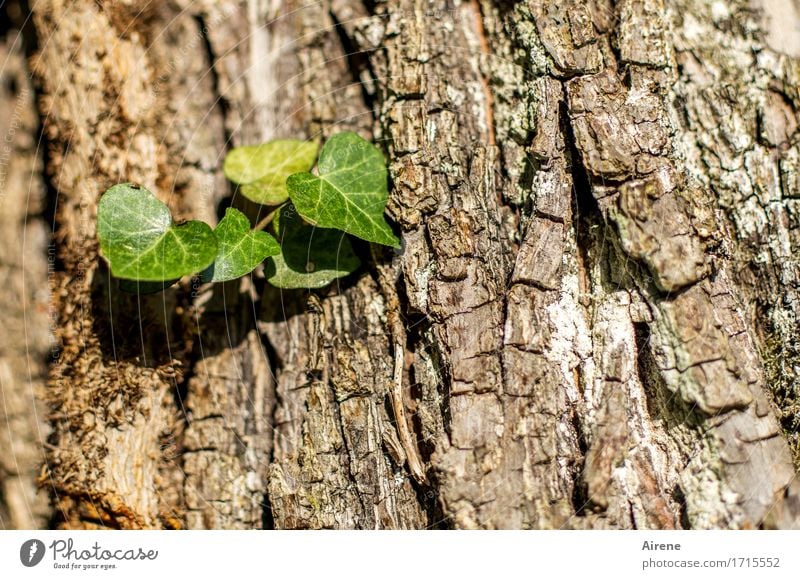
(305, 236)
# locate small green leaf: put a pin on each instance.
(261, 170)
(239, 248)
(350, 192)
(310, 257)
(140, 241)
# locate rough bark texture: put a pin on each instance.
(24, 339)
(594, 312)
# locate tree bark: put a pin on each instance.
(25, 342)
(593, 319)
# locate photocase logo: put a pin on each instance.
(31, 552)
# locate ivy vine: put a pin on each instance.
(305, 236)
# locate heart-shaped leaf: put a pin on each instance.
(261, 170)
(350, 192)
(310, 257)
(239, 248)
(140, 241)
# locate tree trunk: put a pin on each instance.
(24, 267)
(593, 320)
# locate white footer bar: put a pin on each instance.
(399, 554)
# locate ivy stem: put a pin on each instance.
(269, 217)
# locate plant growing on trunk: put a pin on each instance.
(312, 217)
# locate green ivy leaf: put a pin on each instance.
(239, 248)
(310, 257)
(140, 241)
(350, 192)
(261, 170)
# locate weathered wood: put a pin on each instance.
(598, 285)
(120, 103)
(25, 338)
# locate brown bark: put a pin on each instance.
(595, 310)
(24, 340)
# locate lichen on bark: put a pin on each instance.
(597, 287)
